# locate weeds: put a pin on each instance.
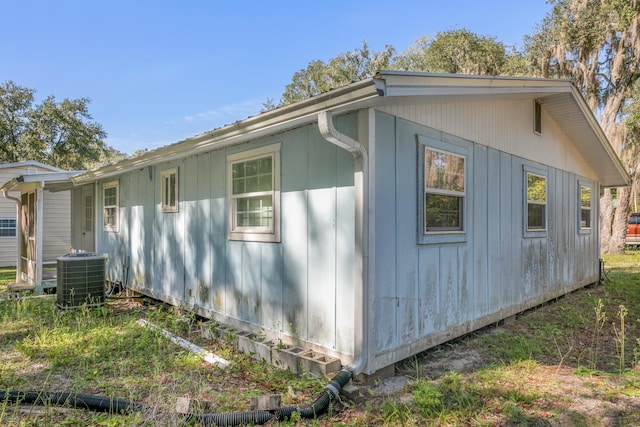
(600, 319)
(102, 351)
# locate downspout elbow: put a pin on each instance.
(331, 134)
(6, 195)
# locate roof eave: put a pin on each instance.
(267, 123)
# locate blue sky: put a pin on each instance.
(160, 71)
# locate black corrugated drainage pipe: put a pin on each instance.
(69, 399)
(116, 406)
(330, 392)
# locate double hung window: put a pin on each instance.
(585, 207)
(444, 191)
(536, 206)
(444, 166)
(111, 205)
(254, 194)
(169, 189)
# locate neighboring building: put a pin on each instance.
(368, 223)
(33, 239)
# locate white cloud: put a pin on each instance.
(227, 113)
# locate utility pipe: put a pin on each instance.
(361, 183)
(207, 356)
(116, 406)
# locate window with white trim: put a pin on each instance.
(169, 189)
(444, 191)
(111, 205)
(584, 201)
(254, 194)
(8, 227)
(536, 196)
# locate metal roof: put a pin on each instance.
(559, 97)
(30, 163)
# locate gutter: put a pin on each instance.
(268, 123)
(18, 203)
(361, 182)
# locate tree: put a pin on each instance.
(454, 51)
(62, 134)
(15, 103)
(346, 68)
(597, 44)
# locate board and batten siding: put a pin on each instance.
(56, 240)
(427, 293)
(300, 289)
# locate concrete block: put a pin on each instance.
(262, 349)
(266, 403)
(353, 393)
(209, 331)
(287, 357)
(243, 342)
(255, 346)
(186, 405)
(318, 363)
(377, 376)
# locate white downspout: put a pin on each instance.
(18, 202)
(361, 183)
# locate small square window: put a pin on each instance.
(111, 205)
(8, 227)
(169, 188)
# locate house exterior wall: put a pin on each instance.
(299, 290)
(425, 290)
(428, 289)
(56, 239)
(57, 226)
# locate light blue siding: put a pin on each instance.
(425, 289)
(428, 293)
(293, 288)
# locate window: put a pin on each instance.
(254, 194)
(443, 191)
(536, 212)
(537, 117)
(445, 163)
(88, 213)
(585, 207)
(8, 227)
(111, 205)
(169, 188)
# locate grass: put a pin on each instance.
(537, 369)
(574, 361)
(7, 275)
(103, 351)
